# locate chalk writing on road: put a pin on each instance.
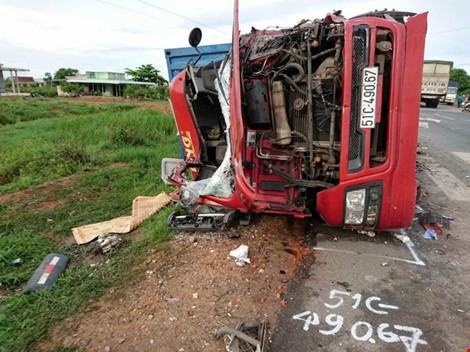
(363, 331)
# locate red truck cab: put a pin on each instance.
(321, 117)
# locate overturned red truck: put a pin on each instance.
(321, 117)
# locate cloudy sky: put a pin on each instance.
(110, 35)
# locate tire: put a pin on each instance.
(433, 104)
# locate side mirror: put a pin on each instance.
(195, 37)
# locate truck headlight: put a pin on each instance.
(373, 205)
(355, 206)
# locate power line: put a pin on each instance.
(136, 12)
(179, 15)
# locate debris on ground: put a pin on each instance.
(106, 243)
(429, 217)
(241, 255)
(402, 238)
(418, 209)
(368, 233)
(432, 222)
(233, 234)
(142, 208)
(47, 272)
(16, 262)
(430, 234)
(245, 337)
(227, 294)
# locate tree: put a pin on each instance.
(64, 72)
(48, 78)
(147, 73)
(461, 76)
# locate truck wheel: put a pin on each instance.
(433, 104)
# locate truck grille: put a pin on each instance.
(298, 116)
(360, 59)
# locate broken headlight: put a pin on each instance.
(373, 205)
(363, 205)
(355, 206)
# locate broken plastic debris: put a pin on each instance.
(428, 218)
(233, 234)
(430, 234)
(402, 236)
(368, 233)
(418, 209)
(47, 272)
(16, 262)
(241, 255)
(108, 242)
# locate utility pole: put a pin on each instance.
(15, 84)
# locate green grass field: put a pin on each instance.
(111, 154)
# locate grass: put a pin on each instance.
(44, 149)
(85, 146)
(13, 110)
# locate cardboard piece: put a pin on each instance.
(142, 209)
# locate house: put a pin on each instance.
(23, 81)
(39, 82)
(105, 83)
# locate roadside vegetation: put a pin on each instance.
(461, 76)
(72, 164)
(13, 110)
(47, 91)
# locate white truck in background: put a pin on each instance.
(436, 76)
(451, 96)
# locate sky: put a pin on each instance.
(112, 35)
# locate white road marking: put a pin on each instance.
(444, 117)
(410, 245)
(361, 330)
(429, 119)
(418, 262)
(462, 155)
(453, 188)
(423, 124)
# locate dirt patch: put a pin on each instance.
(46, 190)
(189, 290)
(161, 106)
(95, 99)
(50, 205)
(118, 165)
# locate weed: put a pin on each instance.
(126, 135)
(13, 110)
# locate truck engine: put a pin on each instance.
(292, 105)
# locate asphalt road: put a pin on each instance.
(445, 131)
(360, 293)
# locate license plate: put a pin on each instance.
(370, 77)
